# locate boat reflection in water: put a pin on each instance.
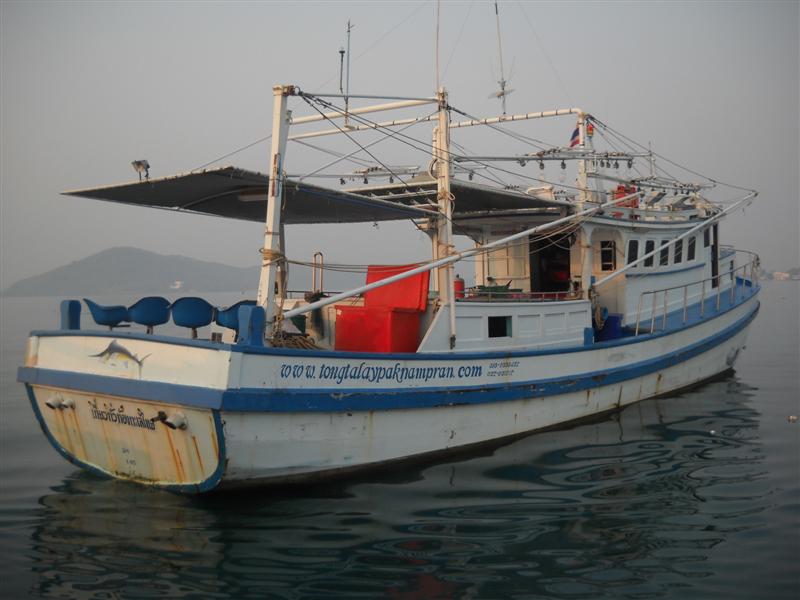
(645, 503)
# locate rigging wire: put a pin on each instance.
(377, 41)
(358, 161)
(664, 158)
(250, 145)
(554, 237)
(543, 49)
(347, 156)
(458, 39)
(425, 148)
(305, 97)
(631, 148)
(515, 173)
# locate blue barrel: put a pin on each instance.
(612, 329)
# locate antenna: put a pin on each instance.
(347, 90)
(503, 92)
(341, 70)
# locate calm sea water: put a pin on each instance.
(692, 496)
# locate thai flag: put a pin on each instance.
(575, 139)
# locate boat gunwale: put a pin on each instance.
(487, 354)
(291, 400)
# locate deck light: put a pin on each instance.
(142, 166)
(541, 165)
(563, 165)
(616, 164)
(630, 163)
(341, 180)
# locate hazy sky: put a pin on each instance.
(89, 86)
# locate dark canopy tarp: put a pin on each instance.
(241, 194)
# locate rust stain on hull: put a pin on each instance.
(117, 436)
(176, 458)
(197, 453)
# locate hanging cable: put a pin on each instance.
(250, 145)
(458, 39)
(350, 137)
(664, 158)
(358, 161)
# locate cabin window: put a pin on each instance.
(706, 238)
(649, 247)
(690, 248)
(633, 250)
(679, 252)
(663, 257)
(608, 256)
(499, 327)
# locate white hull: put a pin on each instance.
(294, 415)
(300, 445)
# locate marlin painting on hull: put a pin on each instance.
(587, 297)
(116, 353)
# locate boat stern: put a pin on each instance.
(108, 405)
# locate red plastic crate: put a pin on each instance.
(389, 319)
(411, 292)
(377, 329)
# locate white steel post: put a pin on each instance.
(273, 249)
(582, 180)
(583, 197)
(587, 262)
(444, 229)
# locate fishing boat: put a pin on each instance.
(587, 297)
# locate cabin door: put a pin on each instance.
(549, 264)
(715, 256)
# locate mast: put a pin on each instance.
(273, 251)
(444, 224)
(347, 89)
(584, 196)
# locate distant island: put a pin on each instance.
(133, 270)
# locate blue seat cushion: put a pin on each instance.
(229, 317)
(110, 316)
(150, 311)
(192, 312)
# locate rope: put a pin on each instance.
(279, 258)
(272, 256)
(282, 339)
(598, 316)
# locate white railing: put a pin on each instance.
(683, 290)
(317, 272)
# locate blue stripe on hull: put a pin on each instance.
(325, 400)
(154, 391)
(345, 400)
